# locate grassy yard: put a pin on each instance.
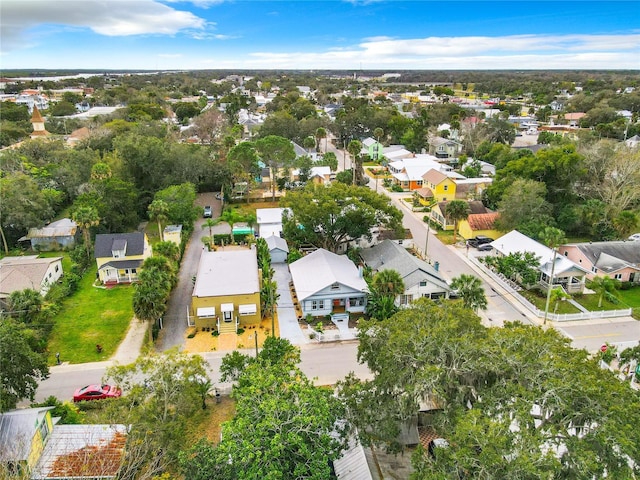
(250, 208)
(91, 316)
(539, 299)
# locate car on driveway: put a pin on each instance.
(485, 247)
(479, 240)
(635, 237)
(96, 392)
(207, 213)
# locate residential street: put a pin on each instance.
(325, 363)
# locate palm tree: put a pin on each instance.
(231, 216)
(210, 223)
(378, 133)
(470, 290)
(557, 295)
(158, 210)
(86, 217)
(625, 223)
(308, 143)
(381, 307)
(321, 133)
(388, 283)
(354, 148)
(553, 238)
(603, 285)
(457, 210)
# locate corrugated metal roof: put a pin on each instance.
(352, 465)
(82, 451)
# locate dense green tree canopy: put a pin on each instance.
(329, 216)
(21, 368)
(283, 428)
(513, 402)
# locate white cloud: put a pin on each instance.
(109, 18)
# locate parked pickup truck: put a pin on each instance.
(479, 240)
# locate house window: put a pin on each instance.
(335, 286)
(423, 283)
(314, 305)
(419, 183)
(134, 271)
(446, 187)
(356, 301)
(566, 254)
(57, 268)
(406, 299)
(320, 304)
(444, 199)
(618, 276)
(44, 429)
(594, 269)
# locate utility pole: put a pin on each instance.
(426, 243)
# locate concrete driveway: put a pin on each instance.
(287, 320)
(175, 319)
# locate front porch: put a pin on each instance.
(570, 284)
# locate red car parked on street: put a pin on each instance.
(96, 392)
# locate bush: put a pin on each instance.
(215, 333)
(68, 412)
(240, 331)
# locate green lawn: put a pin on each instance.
(91, 316)
(630, 298)
(540, 301)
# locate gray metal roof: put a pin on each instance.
(122, 264)
(105, 243)
(274, 242)
(389, 255)
(16, 432)
(612, 256)
(323, 268)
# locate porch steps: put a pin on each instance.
(227, 327)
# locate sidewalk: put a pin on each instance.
(127, 352)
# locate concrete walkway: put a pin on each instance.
(287, 320)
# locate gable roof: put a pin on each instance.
(17, 428)
(275, 241)
(482, 221)
(322, 268)
(514, 241)
(20, 273)
(106, 242)
(611, 256)
(62, 228)
(74, 450)
(391, 256)
(230, 272)
(434, 176)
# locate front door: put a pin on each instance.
(227, 316)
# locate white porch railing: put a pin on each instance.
(554, 317)
(191, 321)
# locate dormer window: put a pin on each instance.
(335, 286)
(119, 248)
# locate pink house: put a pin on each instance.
(618, 260)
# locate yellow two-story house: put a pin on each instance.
(226, 294)
(443, 188)
(119, 256)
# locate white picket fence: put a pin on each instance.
(512, 289)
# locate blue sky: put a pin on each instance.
(337, 34)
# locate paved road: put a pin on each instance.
(451, 263)
(324, 363)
